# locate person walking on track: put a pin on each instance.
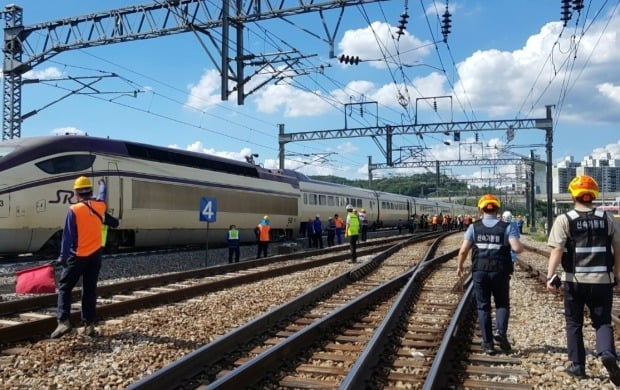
(352, 231)
(586, 241)
(491, 241)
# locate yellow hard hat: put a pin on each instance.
(583, 185)
(265, 217)
(488, 202)
(363, 210)
(82, 184)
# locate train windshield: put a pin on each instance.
(68, 163)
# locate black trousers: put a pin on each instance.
(598, 298)
(262, 248)
(88, 268)
(233, 251)
(353, 246)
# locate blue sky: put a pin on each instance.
(503, 60)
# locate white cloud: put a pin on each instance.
(206, 93)
(48, 73)
(378, 41)
(68, 131)
(199, 147)
(500, 82)
(294, 102)
(612, 149)
(611, 91)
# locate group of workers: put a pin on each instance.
(335, 228)
(585, 241)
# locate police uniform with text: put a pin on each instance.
(585, 237)
(491, 269)
(490, 241)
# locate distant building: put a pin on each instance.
(606, 172)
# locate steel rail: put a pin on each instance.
(194, 363)
(362, 371)
(37, 328)
(159, 280)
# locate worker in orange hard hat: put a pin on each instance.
(491, 241)
(586, 241)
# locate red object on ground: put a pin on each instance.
(36, 280)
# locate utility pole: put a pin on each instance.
(549, 147)
(532, 193)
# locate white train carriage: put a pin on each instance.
(326, 199)
(155, 192)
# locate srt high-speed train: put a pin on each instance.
(155, 192)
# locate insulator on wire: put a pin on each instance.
(435, 105)
(353, 60)
(566, 11)
(446, 24)
(577, 5)
(402, 23)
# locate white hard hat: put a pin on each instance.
(507, 216)
(349, 207)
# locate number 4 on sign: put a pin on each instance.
(208, 209)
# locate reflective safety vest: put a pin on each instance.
(588, 247)
(339, 223)
(233, 234)
(489, 252)
(89, 226)
(354, 225)
(263, 232)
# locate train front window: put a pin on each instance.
(68, 163)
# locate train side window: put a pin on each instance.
(312, 199)
(305, 198)
(68, 163)
(330, 200)
(322, 200)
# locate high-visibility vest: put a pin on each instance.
(233, 234)
(89, 227)
(263, 232)
(354, 225)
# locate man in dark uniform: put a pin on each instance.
(582, 241)
(491, 241)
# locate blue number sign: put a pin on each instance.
(208, 209)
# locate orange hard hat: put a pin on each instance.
(488, 202)
(583, 185)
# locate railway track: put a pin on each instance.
(253, 352)
(34, 318)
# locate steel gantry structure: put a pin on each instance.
(388, 131)
(28, 46)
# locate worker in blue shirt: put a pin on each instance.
(80, 255)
